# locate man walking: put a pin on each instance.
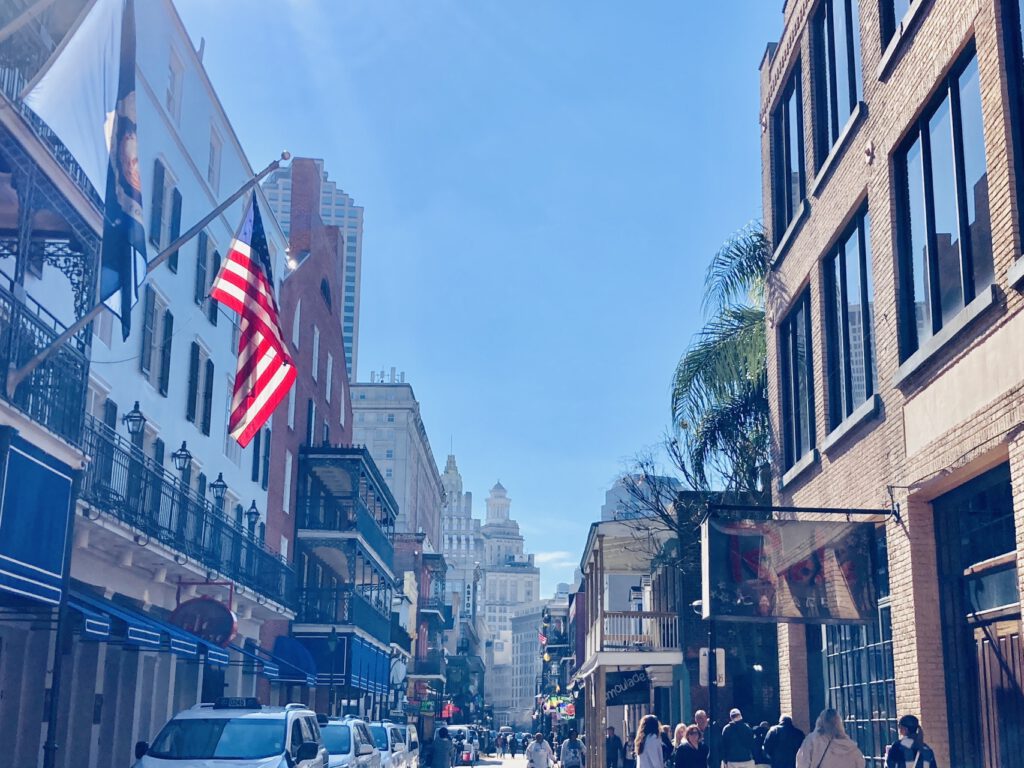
(737, 748)
(571, 755)
(539, 754)
(782, 743)
(613, 754)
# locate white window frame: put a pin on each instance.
(214, 161)
(175, 82)
(286, 499)
(329, 373)
(316, 352)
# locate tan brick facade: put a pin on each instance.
(959, 414)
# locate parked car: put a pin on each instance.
(236, 733)
(391, 744)
(350, 744)
(412, 744)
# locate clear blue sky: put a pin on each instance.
(544, 183)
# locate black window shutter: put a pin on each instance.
(256, 456)
(263, 532)
(211, 308)
(266, 459)
(156, 209)
(208, 397)
(193, 383)
(158, 452)
(238, 515)
(201, 257)
(202, 486)
(165, 353)
(110, 413)
(148, 323)
(310, 417)
(172, 261)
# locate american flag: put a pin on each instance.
(265, 369)
(543, 640)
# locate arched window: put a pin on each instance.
(325, 291)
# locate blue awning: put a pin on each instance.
(186, 643)
(138, 628)
(270, 670)
(94, 624)
(296, 661)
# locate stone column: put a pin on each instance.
(81, 683)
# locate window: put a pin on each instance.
(291, 407)
(194, 363)
(213, 306)
(389, 453)
(325, 291)
(388, 472)
(265, 478)
(296, 323)
(257, 439)
(284, 548)
(892, 13)
(391, 418)
(788, 183)
(1015, 67)
(849, 322)
(202, 268)
(310, 420)
(837, 77)
(945, 236)
(330, 373)
(232, 450)
(286, 498)
(316, 351)
(213, 164)
(797, 389)
(156, 206)
(175, 75)
(207, 397)
(174, 231)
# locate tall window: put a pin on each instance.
(892, 13)
(1015, 66)
(788, 184)
(797, 381)
(849, 322)
(945, 233)
(837, 70)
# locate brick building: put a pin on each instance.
(892, 169)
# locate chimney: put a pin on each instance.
(401, 377)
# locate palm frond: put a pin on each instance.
(737, 272)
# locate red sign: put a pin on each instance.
(206, 618)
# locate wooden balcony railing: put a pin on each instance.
(637, 631)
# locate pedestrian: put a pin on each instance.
(629, 752)
(760, 733)
(782, 742)
(690, 753)
(539, 754)
(679, 735)
(667, 747)
(649, 752)
(910, 751)
(513, 744)
(571, 755)
(501, 745)
(828, 746)
(613, 754)
(700, 719)
(737, 748)
(441, 750)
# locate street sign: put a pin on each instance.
(719, 667)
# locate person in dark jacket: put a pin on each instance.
(691, 752)
(782, 743)
(759, 736)
(667, 748)
(910, 749)
(737, 748)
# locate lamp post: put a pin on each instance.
(332, 646)
(252, 515)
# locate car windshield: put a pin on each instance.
(380, 736)
(234, 738)
(337, 739)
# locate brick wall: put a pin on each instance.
(857, 470)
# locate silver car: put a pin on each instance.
(350, 744)
(391, 743)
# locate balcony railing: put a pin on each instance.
(329, 514)
(639, 631)
(54, 394)
(433, 604)
(432, 665)
(342, 605)
(123, 482)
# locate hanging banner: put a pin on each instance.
(789, 571)
(633, 687)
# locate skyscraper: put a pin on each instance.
(336, 209)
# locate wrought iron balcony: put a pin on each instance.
(21, 56)
(431, 665)
(54, 394)
(122, 482)
(432, 605)
(343, 605)
(344, 515)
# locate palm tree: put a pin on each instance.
(720, 386)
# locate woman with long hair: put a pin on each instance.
(690, 752)
(910, 749)
(828, 746)
(679, 735)
(648, 746)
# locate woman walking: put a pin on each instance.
(648, 743)
(910, 751)
(690, 752)
(828, 746)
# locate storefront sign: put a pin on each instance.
(632, 687)
(426, 707)
(789, 571)
(206, 618)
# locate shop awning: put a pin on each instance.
(296, 661)
(138, 628)
(271, 671)
(94, 624)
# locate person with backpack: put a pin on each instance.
(782, 743)
(910, 751)
(571, 755)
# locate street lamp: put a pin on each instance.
(182, 457)
(252, 515)
(218, 488)
(332, 646)
(134, 421)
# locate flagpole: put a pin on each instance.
(16, 376)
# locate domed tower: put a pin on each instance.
(498, 504)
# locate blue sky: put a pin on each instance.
(544, 184)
